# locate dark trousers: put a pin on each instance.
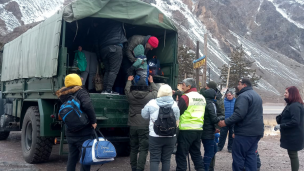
(209, 148)
(294, 160)
(75, 144)
(161, 149)
(189, 142)
(258, 160)
(212, 164)
(243, 153)
(223, 136)
(139, 142)
(112, 58)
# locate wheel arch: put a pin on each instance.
(46, 109)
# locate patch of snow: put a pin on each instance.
(261, 1)
(266, 62)
(37, 10)
(10, 20)
(31, 10)
(257, 23)
(285, 15)
(300, 2)
(263, 84)
(196, 29)
(294, 48)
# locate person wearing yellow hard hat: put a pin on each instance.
(75, 140)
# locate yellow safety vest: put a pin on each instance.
(193, 117)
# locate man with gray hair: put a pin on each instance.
(192, 108)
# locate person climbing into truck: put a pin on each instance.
(75, 140)
(140, 66)
(149, 42)
(110, 39)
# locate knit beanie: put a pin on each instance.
(212, 85)
(153, 41)
(72, 80)
(164, 90)
(139, 50)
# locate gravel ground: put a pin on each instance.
(272, 156)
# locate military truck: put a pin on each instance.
(35, 64)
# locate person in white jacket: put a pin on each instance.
(160, 147)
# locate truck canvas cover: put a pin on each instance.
(35, 53)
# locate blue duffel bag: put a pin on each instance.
(97, 151)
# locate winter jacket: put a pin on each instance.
(141, 62)
(210, 117)
(112, 34)
(248, 114)
(220, 108)
(132, 43)
(85, 105)
(229, 107)
(151, 110)
(137, 101)
(219, 103)
(292, 127)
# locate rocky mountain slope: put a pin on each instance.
(271, 32)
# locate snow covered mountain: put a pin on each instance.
(271, 32)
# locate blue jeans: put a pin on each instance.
(210, 150)
(243, 153)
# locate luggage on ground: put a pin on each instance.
(97, 151)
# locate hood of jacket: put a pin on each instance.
(139, 94)
(146, 40)
(64, 92)
(218, 95)
(209, 94)
(165, 101)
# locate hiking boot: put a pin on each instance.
(229, 151)
(219, 149)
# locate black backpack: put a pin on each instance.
(71, 114)
(165, 125)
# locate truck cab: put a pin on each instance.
(35, 64)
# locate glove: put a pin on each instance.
(277, 127)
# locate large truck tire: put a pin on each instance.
(35, 149)
(4, 135)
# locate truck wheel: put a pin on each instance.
(4, 135)
(35, 149)
(122, 149)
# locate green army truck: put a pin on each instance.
(35, 64)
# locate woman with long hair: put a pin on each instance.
(291, 125)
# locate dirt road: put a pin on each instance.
(273, 158)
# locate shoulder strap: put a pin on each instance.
(75, 94)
